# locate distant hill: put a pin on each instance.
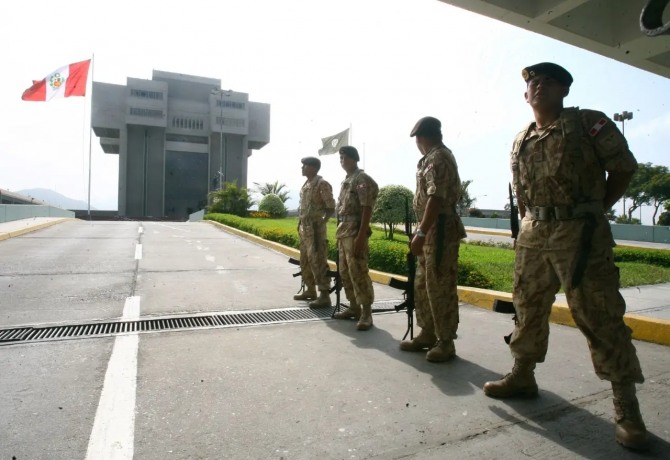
(54, 198)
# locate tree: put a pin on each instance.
(273, 188)
(658, 189)
(664, 218)
(474, 212)
(465, 202)
(390, 207)
(637, 190)
(273, 205)
(231, 199)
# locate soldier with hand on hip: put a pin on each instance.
(568, 167)
(317, 205)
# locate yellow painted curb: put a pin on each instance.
(644, 328)
(32, 228)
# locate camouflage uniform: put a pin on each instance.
(559, 174)
(357, 190)
(316, 199)
(435, 282)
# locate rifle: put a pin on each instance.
(407, 286)
(504, 306)
(335, 275)
(513, 214)
(293, 261)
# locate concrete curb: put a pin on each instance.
(644, 328)
(32, 228)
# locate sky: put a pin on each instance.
(376, 66)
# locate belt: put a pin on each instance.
(566, 212)
(350, 218)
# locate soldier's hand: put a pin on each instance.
(359, 245)
(416, 247)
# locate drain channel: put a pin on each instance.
(232, 319)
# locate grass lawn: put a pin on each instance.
(496, 263)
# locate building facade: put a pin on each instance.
(178, 138)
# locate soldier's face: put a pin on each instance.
(347, 163)
(544, 91)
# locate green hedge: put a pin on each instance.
(656, 257)
(385, 256)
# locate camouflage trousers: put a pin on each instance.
(596, 306)
(354, 273)
(435, 291)
(314, 263)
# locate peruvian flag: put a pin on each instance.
(64, 82)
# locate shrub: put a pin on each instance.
(231, 199)
(273, 205)
(656, 257)
(259, 215)
(474, 212)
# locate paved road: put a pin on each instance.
(286, 390)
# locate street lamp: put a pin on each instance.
(622, 117)
(223, 160)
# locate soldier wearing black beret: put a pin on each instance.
(569, 166)
(317, 205)
(358, 194)
(435, 244)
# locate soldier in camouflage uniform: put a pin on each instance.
(435, 243)
(358, 194)
(569, 166)
(317, 205)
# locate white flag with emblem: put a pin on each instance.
(332, 144)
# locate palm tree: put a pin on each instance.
(273, 188)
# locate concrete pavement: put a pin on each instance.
(293, 390)
(648, 307)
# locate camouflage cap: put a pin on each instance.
(549, 69)
(427, 126)
(350, 151)
(312, 161)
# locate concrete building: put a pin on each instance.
(178, 137)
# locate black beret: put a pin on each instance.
(549, 69)
(312, 161)
(350, 151)
(427, 126)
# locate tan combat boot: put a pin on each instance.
(442, 351)
(307, 294)
(351, 312)
(322, 302)
(423, 341)
(630, 431)
(365, 321)
(519, 382)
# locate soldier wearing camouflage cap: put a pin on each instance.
(358, 194)
(317, 205)
(569, 166)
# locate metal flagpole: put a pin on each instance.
(90, 136)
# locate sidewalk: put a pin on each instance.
(648, 306)
(19, 227)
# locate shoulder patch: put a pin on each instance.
(595, 129)
(429, 167)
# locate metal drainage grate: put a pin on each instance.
(44, 333)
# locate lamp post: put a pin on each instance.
(222, 150)
(622, 117)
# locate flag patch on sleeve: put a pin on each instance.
(593, 132)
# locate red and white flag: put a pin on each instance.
(67, 81)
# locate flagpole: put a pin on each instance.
(90, 136)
